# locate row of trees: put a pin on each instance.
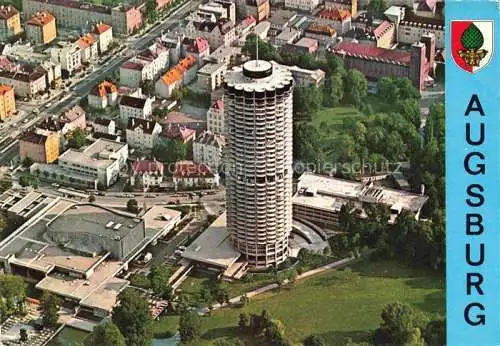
(262, 327)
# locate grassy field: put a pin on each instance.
(327, 120)
(334, 305)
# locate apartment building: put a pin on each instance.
(215, 117)
(219, 33)
(259, 9)
(142, 134)
(103, 95)
(211, 76)
(41, 148)
(41, 28)
(26, 81)
(69, 55)
(208, 148)
(10, 22)
(106, 126)
(197, 47)
(147, 65)
(104, 36)
(303, 5)
(323, 33)
(89, 48)
(190, 174)
(135, 107)
(7, 101)
(148, 173)
(340, 19)
(182, 73)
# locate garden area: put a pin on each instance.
(335, 305)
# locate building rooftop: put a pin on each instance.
(196, 45)
(34, 137)
(101, 28)
(7, 12)
(382, 29)
(338, 14)
(104, 88)
(321, 29)
(213, 246)
(280, 75)
(209, 138)
(103, 121)
(179, 118)
(5, 88)
(147, 126)
(368, 51)
(134, 102)
(41, 19)
(287, 34)
(331, 193)
(176, 73)
(219, 104)
(208, 69)
(179, 132)
(224, 25)
(412, 19)
(306, 42)
(147, 166)
(133, 64)
(72, 114)
(78, 5)
(99, 154)
(280, 18)
(86, 41)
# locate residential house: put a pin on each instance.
(215, 117)
(181, 74)
(41, 148)
(225, 55)
(350, 5)
(188, 174)
(197, 47)
(325, 34)
(181, 119)
(69, 55)
(41, 28)
(89, 48)
(208, 148)
(148, 173)
(219, 33)
(103, 95)
(7, 101)
(286, 36)
(10, 22)
(26, 80)
(103, 33)
(147, 65)
(340, 19)
(259, 9)
(410, 27)
(303, 5)
(142, 134)
(306, 45)
(101, 125)
(244, 28)
(211, 76)
(179, 133)
(73, 118)
(174, 46)
(135, 107)
(280, 20)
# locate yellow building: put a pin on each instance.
(7, 101)
(40, 147)
(41, 28)
(10, 22)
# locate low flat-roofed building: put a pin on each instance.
(306, 45)
(213, 247)
(324, 33)
(76, 250)
(306, 78)
(211, 76)
(287, 36)
(319, 199)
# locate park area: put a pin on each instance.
(336, 305)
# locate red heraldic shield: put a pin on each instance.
(472, 43)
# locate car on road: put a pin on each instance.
(48, 105)
(55, 185)
(182, 248)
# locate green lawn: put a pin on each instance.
(328, 119)
(334, 305)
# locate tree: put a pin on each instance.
(401, 326)
(50, 304)
(377, 7)
(355, 88)
(170, 151)
(159, 276)
(435, 333)
(151, 12)
(27, 162)
(306, 100)
(314, 340)
(243, 321)
(410, 110)
(266, 51)
(23, 334)
(12, 295)
(333, 90)
(91, 198)
(106, 334)
(189, 326)
(221, 294)
(292, 276)
(132, 206)
(132, 317)
(77, 138)
(387, 89)
(148, 85)
(307, 145)
(406, 89)
(27, 179)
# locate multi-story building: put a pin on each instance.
(197, 47)
(303, 5)
(180, 119)
(230, 7)
(135, 107)
(208, 148)
(25, 80)
(106, 126)
(7, 101)
(307, 78)
(69, 55)
(103, 33)
(225, 55)
(350, 5)
(147, 65)
(340, 19)
(98, 164)
(259, 9)
(258, 109)
(142, 134)
(124, 19)
(319, 199)
(286, 36)
(41, 28)
(306, 45)
(89, 48)
(148, 173)
(179, 133)
(211, 76)
(244, 28)
(323, 33)
(280, 20)
(417, 64)
(188, 175)
(215, 117)
(73, 118)
(219, 10)
(181, 74)
(103, 95)
(41, 148)
(219, 33)
(10, 22)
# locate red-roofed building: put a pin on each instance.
(88, 46)
(417, 64)
(147, 65)
(385, 34)
(219, 33)
(103, 33)
(180, 133)
(103, 95)
(197, 47)
(10, 22)
(189, 174)
(339, 18)
(215, 117)
(162, 4)
(147, 173)
(182, 73)
(41, 28)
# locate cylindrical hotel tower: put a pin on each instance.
(258, 104)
